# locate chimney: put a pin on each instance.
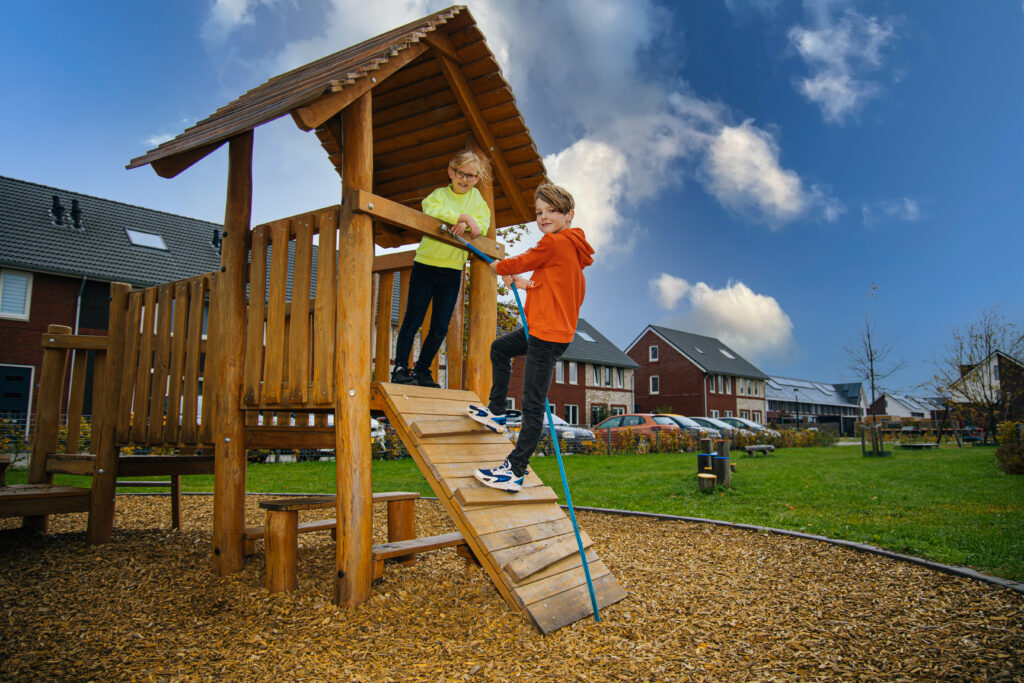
(57, 211)
(215, 240)
(76, 214)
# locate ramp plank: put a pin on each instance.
(523, 541)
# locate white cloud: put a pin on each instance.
(902, 209)
(838, 52)
(225, 17)
(752, 324)
(668, 290)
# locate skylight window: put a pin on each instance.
(584, 336)
(145, 239)
(699, 350)
(727, 354)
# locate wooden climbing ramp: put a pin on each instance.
(524, 541)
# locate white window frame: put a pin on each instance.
(573, 373)
(559, 373)
(574, 410)
(714, 414)
(713, 380)
(24, 315)
(617, 410)
(598, 375)
(608, 375)
(652, 353)
(756, 416)
(510, 403)
(728, 413)
(620, 379)
(654, 385)
(745, 414)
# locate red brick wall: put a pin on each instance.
(681, 383)
(559, 394)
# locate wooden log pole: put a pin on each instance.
(483, 308)
(227, 347)
(721, 466)
(706, 481)
(354, 483)
(51, 382)
(104, 479)
(402, 525)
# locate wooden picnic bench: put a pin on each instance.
(280, 535)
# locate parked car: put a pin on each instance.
(565, 431)
(724, 427)
(646, 425)
(686, 424)
(744, 423)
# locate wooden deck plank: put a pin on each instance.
(543, 555)
(482, 495)
(574, 604)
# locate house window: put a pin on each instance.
(510, 403)
(745, 414)
(618, 410)
(655, 384)
(573, 379)
(721, 384)
(572, 414)
(714, 414)
(15, 294)
(728, 413)
(598, 412)
(597, 375)
(559, 373)
(652, 353)
(712, 378)
(756, 416)
(146, 239)
(728, 385)
(608, 376)
(620, 378)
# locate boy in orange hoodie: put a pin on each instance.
(553, 299)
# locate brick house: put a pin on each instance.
(59, 252)
(691, 374)
(593, 379)
(801, 403)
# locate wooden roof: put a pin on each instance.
(436, 88)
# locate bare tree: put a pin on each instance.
(978, 367)
(868, 357)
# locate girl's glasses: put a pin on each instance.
(466, 176)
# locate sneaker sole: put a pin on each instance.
(487, 422)
(508, 488)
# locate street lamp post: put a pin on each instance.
(796, 393)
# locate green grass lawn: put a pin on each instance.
(951, 505)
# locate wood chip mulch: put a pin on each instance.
(706, 603)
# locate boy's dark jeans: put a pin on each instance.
(540, 363)
(426, 283)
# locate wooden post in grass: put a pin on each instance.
(721, 464)
(706, 481)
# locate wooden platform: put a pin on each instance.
(42, 499)
(524, 541)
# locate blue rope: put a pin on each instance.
(554, 436)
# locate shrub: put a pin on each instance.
(1010, 452)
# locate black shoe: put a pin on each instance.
(402, 376)
(424, 379)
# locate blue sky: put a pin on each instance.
(762, 171)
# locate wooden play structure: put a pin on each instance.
(298, 325)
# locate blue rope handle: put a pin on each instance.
(554, 435)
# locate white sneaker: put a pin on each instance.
(496, 423)
(500, 477)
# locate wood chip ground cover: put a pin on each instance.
(706, 603)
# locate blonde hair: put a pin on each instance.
(468, 156)
(558, 197)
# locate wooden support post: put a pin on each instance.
(453, 342)
(228, 423)
(354, 500)
(281, 542)
(175, 501)
(104, 478)
(402, 524)
(721, 465)
(51, 381)
(483, 310)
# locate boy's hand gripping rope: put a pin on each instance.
(551, 423)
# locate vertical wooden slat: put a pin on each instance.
(190, 390)
(48, 402)
(75, 400)
(161, 365)
(210, 351)
(144, 370)
(453, 343)
(302, 276)
(131, 360)
(403, 300)
(256, 315)
(323, 310)
(273, 360)
(172, 427)
(483, 311)
(382, 355)
(229, 309)
(101, 410)
(354, 479)
(101, 501)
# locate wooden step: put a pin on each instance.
(21, 500)
(483, 495)
(544, 555)
(386, 551)
(448, 426)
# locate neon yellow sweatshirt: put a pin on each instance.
(445, 204)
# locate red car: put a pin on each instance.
(642, 426)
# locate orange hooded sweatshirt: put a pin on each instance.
(556, 291)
